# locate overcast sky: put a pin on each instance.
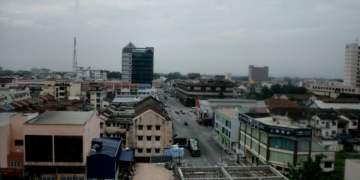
(294, 38)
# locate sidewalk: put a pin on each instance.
(242, 162)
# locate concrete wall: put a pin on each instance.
(149, 118)
(352, 167)
(5, 145)
(90, 130)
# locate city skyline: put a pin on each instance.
(294, 39)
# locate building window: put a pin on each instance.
(317, 122)
(108, 124)
(327, 164)
(334, 123)
(140, 127)
(322, 122)
(101, 135)
(158, 128)
(354, 123)
(157, 150)
(148, 138)
(157, 138)
(14, 164)
(333, 132)
(148, 128)
(140, 138)
(19, 142)
(101, 125)
(140, 150)
(148, 150)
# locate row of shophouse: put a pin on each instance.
(279, 131)
(97, 94)
(83, 145)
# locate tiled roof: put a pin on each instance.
(148, 100)
(110, 97)
(289, 110)
(330, 100)
(227, 112)
(297, 96)
(146, 108)
(261, 110)
(327, 117)
(281, 103)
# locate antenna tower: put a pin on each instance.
(74, 60)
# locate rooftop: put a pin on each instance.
(281, 103)
(227, 112)
(231, 173)
(282, 121)
(324, 105)
(63, 117)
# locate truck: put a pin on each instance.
(193, 145)
(181, 141)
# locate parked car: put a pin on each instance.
(176, 111)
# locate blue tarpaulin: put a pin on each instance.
(126, 155)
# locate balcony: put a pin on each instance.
(323, 126)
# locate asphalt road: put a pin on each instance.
(211, 151)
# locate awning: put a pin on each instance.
(126, 155)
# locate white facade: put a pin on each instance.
(331, 144)
(351, 68)
(126, 65)
(90, 74)
(228, 76)
(10, 95)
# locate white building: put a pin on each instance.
(228, 76)
(351, 83)
(10, 95)
(90, 74)
(351, 71)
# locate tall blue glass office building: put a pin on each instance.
(137, 64)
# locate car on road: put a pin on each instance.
(176, 111)
(182, 112)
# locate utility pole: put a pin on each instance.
(74, 58)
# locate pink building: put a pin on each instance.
(12, 142)
(57, 143)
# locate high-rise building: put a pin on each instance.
(258, 73)
(351, 68)
(137, 64)
(228, 76)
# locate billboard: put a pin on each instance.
(275, 129)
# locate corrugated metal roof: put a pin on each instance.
(63, 117)
(323, 105)
(7, 107)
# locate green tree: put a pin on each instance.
(275, 89)
(287, 79)
(310, 170)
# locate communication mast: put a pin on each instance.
(75, 60)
